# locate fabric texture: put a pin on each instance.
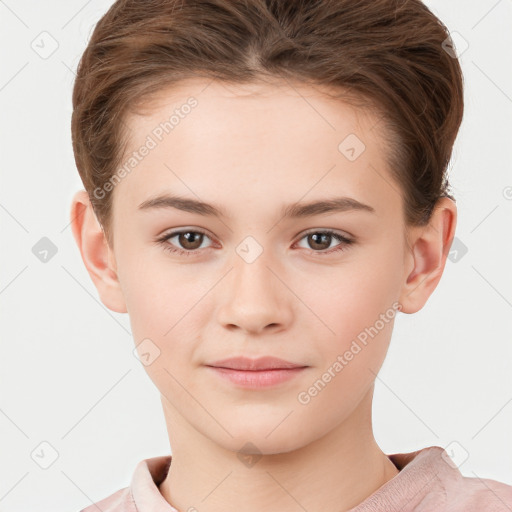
(427, 482)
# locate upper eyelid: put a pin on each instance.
(172, 233)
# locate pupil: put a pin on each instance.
(317, 236)
(189, 239)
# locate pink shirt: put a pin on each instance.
(426, 483)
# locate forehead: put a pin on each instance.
(253, 105)
(248, 141)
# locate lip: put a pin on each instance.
(259, 364)
(256, 379)
(258, 373)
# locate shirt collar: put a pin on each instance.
(423, 473)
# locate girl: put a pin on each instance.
(265, 190)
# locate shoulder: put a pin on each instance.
(474, 493)
(429, 480)
(461, 493)
(119, 501)
(142, 493)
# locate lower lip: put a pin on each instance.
(257, 379)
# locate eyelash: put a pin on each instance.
(345, 242)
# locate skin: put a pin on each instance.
(251, 150)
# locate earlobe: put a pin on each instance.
(426, 256)
(96, 254)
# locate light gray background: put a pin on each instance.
(68, 374)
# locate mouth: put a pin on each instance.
(259, 364)
(256, 373)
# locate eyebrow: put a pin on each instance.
(295, 210)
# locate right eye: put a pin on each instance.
(190, 240)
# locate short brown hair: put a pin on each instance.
(388, 53)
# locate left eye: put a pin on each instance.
(322, 240)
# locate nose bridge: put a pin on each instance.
(251, 266)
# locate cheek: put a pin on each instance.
(164, 321)
(363, 321)
(343, 301)
(166, 313)
(355, 307)
(157, 293)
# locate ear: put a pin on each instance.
(97, 256)
(427, 250)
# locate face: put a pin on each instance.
(259, 272)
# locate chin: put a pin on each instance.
(261, 439)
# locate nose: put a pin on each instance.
(253, 297)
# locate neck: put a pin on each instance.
(332, 474)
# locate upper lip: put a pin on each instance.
(261, 363)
